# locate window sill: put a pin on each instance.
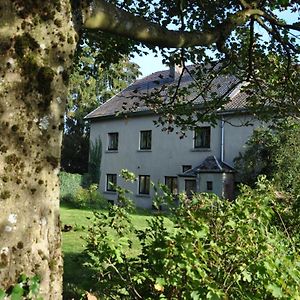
(111, 151)
(144, 150)
(110, 192)
(143, 195)
(201, 150)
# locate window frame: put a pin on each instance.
(145, 190)
(190, 192)
(209, 185)
(110, 139)
(109, 188)
(186, 168)
(202, 137)
(172, 188)
(147, 142)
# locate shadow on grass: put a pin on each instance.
(77, 278)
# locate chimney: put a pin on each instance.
(172, 70)
(175, 70)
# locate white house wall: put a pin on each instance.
(168, 152)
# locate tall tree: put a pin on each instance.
(38, 40)
(92, 82)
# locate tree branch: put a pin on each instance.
(106, 17)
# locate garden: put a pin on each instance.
(206, 248)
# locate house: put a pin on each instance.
(202, 161)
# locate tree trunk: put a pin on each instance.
(37, 43)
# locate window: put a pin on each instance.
(202, 137)
(171, 183)
(209, 185)
(190, 187)
(145, 140)
(186, 168)
(111, 181)
(144, 184)
(113, 141)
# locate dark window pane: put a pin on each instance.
(202, 137)
(172, 184)
(144, 184)
(145, 140)
(209, 185)
(190, 187)
(186, 168)
(113, 141)
(111, 181)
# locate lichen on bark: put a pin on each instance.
(34, 61)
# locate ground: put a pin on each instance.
(75, 223)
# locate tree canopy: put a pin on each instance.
(256, 41)
(38, 41)
(92, 82)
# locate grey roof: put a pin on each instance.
(129, 100)
(210, 165)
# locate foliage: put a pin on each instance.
(89, 197)
(69, 185)
(95, 161)
(216, 250)
(26, 288)
(257, 43)
(73, 191)
(274, 152)
(92, 83)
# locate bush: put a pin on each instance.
(69, 185)
(273, 152)
(216, 250)
(90, 197)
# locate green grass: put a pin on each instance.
(78, 278)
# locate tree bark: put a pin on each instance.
(37, 43)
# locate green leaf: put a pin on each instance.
(195, 295)
(17, 292)
(246, 276)
(275, 290)
(34, 285)
(2, 294)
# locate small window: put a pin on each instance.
(113, 141)
(202, 138)
(186, 168)
(145, 139)
(172, 183)
(144, 184)
(111, 182)
(209, 185)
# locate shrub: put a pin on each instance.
(69, 184)
(216, 250)
(89, 197)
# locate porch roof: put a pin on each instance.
(210, 165)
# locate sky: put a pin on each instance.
(149, 63)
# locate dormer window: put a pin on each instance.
(202, 138)
(113, 141)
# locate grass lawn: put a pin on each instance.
(77, 278)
